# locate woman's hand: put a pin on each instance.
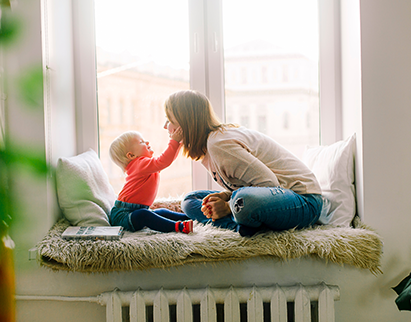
(177, 135)
(216, 206)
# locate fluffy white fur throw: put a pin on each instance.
(360, 247)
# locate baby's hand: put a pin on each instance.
(177, 135)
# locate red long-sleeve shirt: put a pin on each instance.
(143, 176)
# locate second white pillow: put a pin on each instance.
(333, 166)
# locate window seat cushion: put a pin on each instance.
(358, 246)
(86, 197)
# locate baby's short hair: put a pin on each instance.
(119, 148)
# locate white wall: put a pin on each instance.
(50, 130)
(384, 132)
(386, 116)
(27, 126)
(376, 83)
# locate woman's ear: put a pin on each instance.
(130, 155)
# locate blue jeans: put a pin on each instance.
(191, 205)
(120, 214)
(134, 217)
(273, 208)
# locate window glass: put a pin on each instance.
(271, 69)
(270, 73)
(142, 57)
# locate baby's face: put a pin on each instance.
(138, 147)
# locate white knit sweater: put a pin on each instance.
(240, 157)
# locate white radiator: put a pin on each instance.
(261, 304)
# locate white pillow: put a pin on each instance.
(84, 193)
(333, 166)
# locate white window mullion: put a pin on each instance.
(85, 75)
(198, 78)
(330, 71)
(206, 67)
(215, 57)
(197, 46)
(215, 64)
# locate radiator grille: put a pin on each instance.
(296, 303)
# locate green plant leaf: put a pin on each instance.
(31, 158)
(5, 4)
(10, 27)
(16, 158)
(31, 86)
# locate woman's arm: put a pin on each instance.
(235, 162)
(236, 167)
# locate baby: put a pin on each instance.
(131, 210)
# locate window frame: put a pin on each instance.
(206, 70)
(330, 72)
(85, 75)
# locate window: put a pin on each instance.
(257, 65)
(283, 36)
(139, 63)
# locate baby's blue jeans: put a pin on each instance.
(134, 217)
(273, 208)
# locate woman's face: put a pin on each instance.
(171, 124)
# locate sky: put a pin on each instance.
(158, 29)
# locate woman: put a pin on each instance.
(266, 186)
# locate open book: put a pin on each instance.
(93, 232)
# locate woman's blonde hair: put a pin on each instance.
(119, 148)
(195, 115)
